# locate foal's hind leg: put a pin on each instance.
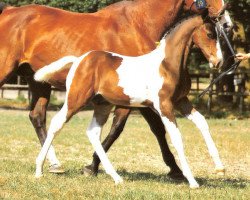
(101, 113)
(119, 120)
(76, 98)
(187, 109)
(39, 102)
(56, 125)
(157, 127)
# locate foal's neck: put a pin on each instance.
(178, 40)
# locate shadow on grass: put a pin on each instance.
(233, 183)
(224, 182)
(205, 182)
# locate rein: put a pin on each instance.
(227, 72)
(232, 68)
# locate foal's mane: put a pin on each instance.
(182, 19)
(177, 25)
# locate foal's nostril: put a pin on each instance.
(219, 64)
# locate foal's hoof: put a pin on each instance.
(38, 175)
(220, 171)
(56, 169)
(88, 171)
(119, 181)
(176, 176)
(194, 186)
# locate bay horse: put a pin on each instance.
(156, 80)
(33, 36)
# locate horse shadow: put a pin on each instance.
(220, 182)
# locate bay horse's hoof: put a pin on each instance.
(88, 171)
(56, 169)
(220, 172)
(176, 176)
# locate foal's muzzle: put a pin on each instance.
(215, 62)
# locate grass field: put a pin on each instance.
(136, 156)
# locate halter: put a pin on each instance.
(233, 67)
(201, 4)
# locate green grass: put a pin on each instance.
(135, 155)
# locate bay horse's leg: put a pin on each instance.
(186, 108)
(101, 113)
(40, 95)
(119, 120)
(168, 119)
(157, 127)
(56, 125)
(7, 68)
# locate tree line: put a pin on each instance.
(72, 5)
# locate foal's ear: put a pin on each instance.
(204, 14)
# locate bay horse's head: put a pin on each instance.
(216, 10)
(205, 37)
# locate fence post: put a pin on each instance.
(242, 88)
(210, 93)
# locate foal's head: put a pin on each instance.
(205, 38)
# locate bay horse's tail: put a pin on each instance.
(45, 73)
(2, 6)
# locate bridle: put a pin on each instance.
(232, 68)
(221, 33)
(200, 5)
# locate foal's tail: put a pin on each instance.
(47, 71)
(2, 6)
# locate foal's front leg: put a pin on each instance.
(168, 119)
(101, 113)
(187, 109)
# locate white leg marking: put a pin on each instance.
(201, 123)
(56, 124)
(51, 156)
(176, 140)
(94, 132)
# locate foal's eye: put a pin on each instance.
(210, 35)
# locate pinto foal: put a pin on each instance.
(151, 80)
